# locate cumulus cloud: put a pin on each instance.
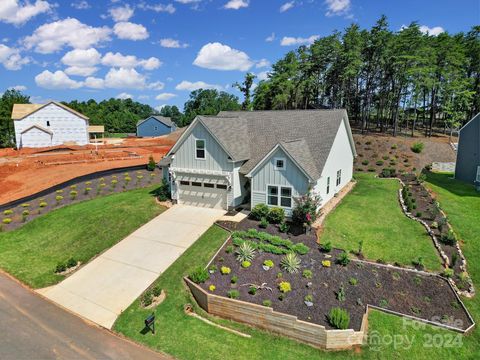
(157, 85)
(289, 41)
(129, 61)
(56, 80)
(81, 70)
(262, 75)
(121, 13)
(159, 8)
(433, 31)
(188, 1)
(18, 87)
(270, 38)
(236, 4)
(172, 43)
(94, 83)
(222, 57)
(52, 37)
(287, 6)
(11, 58)
(125, 79)
(82, 57)
(262, 63)
(165, 96)
(130, 31)
(124, 96)
(337, 7)
(80, 5)
(191, 86)
(18, 13)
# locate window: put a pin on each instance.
(208, 185)
(339, 177)
(184, 183)
(194, 183)
(48, 123)
(279, 163)
(155, 128)
(272, 195)
(286, 197)
(199, 149)
(220, 186)
(169, 177)
(328, 184)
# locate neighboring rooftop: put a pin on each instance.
(164, 120)
(21, 111)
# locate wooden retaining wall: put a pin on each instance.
(283, 324)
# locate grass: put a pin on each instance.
(81, 231)
(371, 213)
(116, 135)
(390, 337)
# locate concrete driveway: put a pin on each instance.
(106, 286)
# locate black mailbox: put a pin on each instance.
(150, 322)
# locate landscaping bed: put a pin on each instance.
(413, 293)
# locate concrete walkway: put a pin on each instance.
(106, 286)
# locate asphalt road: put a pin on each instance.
(35, 329)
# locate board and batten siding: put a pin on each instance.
(468, 152)
(266, 174)
(339, 158)
(153, 127)
(65, 126)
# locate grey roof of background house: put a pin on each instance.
(164, 120)
(307, 135)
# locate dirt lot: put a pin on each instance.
(27, 171)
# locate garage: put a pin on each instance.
(208, 192)
(36, 136)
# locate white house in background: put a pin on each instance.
(50, 124)
(253, 157)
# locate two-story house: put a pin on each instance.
(256, 157)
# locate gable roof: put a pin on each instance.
(20, 111)
(37, 127)
(471, 122)
(164, 120)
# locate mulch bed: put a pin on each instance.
(407, 292)
(139, 179)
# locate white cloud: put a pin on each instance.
(236, 4)
(94, 83)
(222, 57)
(188, 1)
(11, 58)
(289, 41)
(172, 43)
(143, 97)
(434, 31)
(287, 6)
(262, 63)
(80, 5)
(337, 7)
(82, 57)
(270, 38)
(18, 87)
(124, 96)
(129, 61)
(52, 37)
(130, 31)
(262, 75)
(165, 96)
(157, 85)
(121, 13)
(191, 86)
(17, 13)
(159, 107)
(159, 8)
(125, 79)
(81, 70)
(56, 80)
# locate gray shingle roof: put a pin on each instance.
(164, 120)
(307, 135)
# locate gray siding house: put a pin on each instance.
(269, 157)
(467, 167)
(155, 126)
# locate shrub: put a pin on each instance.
(246, 264)
(284, 287)
(393, 147)
(199, 275)
(87, 190)
(252, 290)
(156, 291)
(454, 259)
(147, 298)
(8, 212)
(388, 172)
(127, 179)
(307, 274)
(225, 270)
(276, 215)
(283, 227)
(327, 247)
(300, 248)
(383, 303)
(61, 267)
(371, 169)
(448, 272)
(305, 210)
(449, 238)
(71, 262)
(73, 187)
(43, 204)
(290, 263)
(263, 223)
(418, 214)
(58, 198)
(233, 294)
(308, 298)
(73, 194)
(343, 259)
(59, 191)
(419, 262)
(229, 249)
(341, 296)
(365, 162)
(259, 211)
(234, 279)
(7, 221)
(353, 281)
(418, 147)
(245, 252)
(268, 263)
(25, 205)
(267, 303)
(379, 162)
(434, 225)
(114, 182)
(151, 164)
(212, 288)
(339, 318)
(88, 183)
(25, 212)
(326, 263)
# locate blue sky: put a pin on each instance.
(158, 51)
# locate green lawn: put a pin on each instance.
(81, 231)
(372, 213)
(188, 338)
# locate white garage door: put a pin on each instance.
(203, 194)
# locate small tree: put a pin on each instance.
(151, 164)
(305, 210)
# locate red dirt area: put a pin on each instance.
(28, 171)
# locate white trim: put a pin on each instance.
(279, 195)
(275, 167)
(204, 149)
